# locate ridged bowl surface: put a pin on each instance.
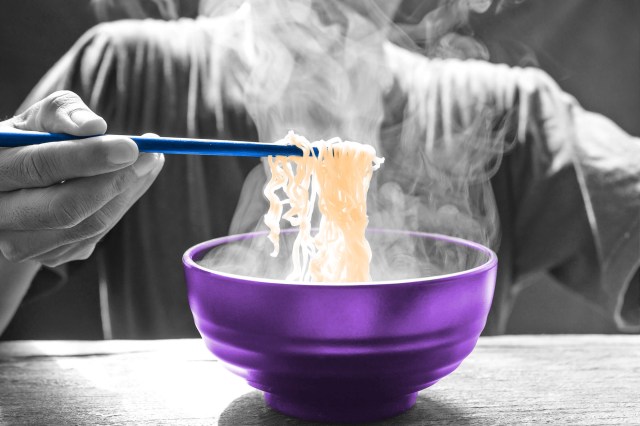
(341, 352)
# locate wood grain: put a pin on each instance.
(506, 380)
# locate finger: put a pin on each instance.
(65, 205)
(78, 251)
(73, 252)
(61, 112)
(60, 245)
(39, 166)
(111, 214)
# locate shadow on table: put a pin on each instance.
(251, 410)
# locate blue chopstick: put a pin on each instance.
(11, 139)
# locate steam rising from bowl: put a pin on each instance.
(397, 255)
(343, 68)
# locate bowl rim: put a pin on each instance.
(194, 251)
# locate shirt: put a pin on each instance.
(566, 191)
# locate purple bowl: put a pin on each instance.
(343, 352)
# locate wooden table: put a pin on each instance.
(506, 380)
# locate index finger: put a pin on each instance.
(38, 166)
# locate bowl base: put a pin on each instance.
(315, 409)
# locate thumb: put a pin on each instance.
(61, 112)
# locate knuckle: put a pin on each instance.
(122, 180)
(93, 226)
(61, 100)
(61, 103)
(35, 167)
(64, 211)
(14, 252)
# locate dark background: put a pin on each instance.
(591, 47)
(33, 36)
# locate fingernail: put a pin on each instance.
(122, 151)
(144, 165)
(82, 117)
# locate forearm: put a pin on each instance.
(15, 279)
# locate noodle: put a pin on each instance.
(338, 177)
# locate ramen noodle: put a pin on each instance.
(337, 178)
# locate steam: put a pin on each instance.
(326, 68)
(318, 68)
(440, 29)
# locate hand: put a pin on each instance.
(57, 200)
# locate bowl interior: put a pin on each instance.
(396, 255)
